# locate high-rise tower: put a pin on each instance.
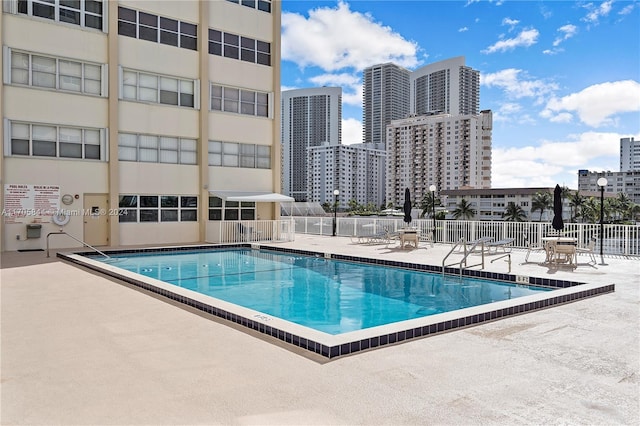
(310, 117)
(445, 87)
(386, 94)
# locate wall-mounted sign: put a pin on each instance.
(25, 203)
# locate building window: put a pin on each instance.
(46, 140)
(239, 47)
(262, 5)
(158, 208)
(156, 149)
(84, 13)
(158, 29)
(146, 87)
(239, 101)
(232, 154)
(54, 73)
(231, 210)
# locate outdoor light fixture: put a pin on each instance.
(602, 182)
(335, 210)
(432, 188)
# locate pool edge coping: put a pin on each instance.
(333, 346)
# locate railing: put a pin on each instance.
(77, 239)
(617, 239)
(250, 231)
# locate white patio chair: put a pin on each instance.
(589, 249)
(531, 247)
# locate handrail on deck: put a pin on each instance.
(507, 255)
(466, 254)
(77, 239)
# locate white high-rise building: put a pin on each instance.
(310, 118)
(385, 95)
(445, 87)
(629, 155)
(448, 151)
(357, 171)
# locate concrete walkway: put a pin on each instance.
(79, 348)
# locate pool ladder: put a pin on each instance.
(61, 232)
(463, 262)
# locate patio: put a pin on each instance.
(79, 348)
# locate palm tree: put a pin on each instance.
(514, 213)
(576, 201)
(541, 201)
(591, 210)
(427, 204)
(623, 205)
(464, 210)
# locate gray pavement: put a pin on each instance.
(79, 348)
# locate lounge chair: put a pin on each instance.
(379, 237)
(500, 244)
(589, 249)
(531, 247)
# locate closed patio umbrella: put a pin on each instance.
(407, 206)
(557, 209)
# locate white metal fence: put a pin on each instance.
(250, 231)
(617, 239)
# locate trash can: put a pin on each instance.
(33, 230)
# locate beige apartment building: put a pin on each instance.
(137, 122)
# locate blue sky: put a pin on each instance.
(561, 77)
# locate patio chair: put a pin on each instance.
(247, 233)
(589, 249)
(379, 237)
(426, 237)
(531, 247)
(503, 244)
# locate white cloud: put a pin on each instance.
(627, 9)
(596, 104)
(334, 79)
(351, 131)
(510, 22)
(337, 38)
(526, 38)
(463, 29)
(554, 162)
(516, 84)
(567, 31)
(596, 12)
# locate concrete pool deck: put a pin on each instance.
(80, 348)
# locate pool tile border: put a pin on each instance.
(353, 345)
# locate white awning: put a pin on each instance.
(255, 196)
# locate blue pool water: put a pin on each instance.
(327, 295)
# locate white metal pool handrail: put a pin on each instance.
(77, 239)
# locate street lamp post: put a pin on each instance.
(432, 188)
(335, 210)
(602, 182)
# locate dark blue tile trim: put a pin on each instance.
(331, 352)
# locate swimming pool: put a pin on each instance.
(331, 296)
(324, 343)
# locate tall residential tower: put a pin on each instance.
(310, 117)
(385, 97)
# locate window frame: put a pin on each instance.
(54, 145)
(157, 212)
(186, 97)
(260, 159)
(12, 68)
(221, 210)
(229, 99)
(140, 25)
(139, 143)
(60, 11)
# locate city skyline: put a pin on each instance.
(560, 77)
